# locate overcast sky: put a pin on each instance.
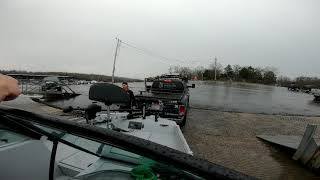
(79, 35)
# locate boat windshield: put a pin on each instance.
(100, 149)
(96, 153)
(8, 137)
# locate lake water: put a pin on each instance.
(235, 97)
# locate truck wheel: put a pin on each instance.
(188, 103)
(183, 122)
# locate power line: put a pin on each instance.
(158, 56)
(150, 53)
(164, 62)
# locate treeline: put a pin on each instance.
(231, 73)
(302, 81)
(79, 76)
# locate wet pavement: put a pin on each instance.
(229, 139)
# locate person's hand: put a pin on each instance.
(9, 88)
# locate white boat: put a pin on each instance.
(144, 123)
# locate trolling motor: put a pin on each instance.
(90, 112)
(157, 108)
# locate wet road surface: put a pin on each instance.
(252, 98)
(235, 97)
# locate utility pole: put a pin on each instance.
(215, 69)
(115, 58)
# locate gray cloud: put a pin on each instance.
(79, 36)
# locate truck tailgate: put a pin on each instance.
(160, 96)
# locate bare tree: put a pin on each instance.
(219, 69)
(236, 70)
(198, 71)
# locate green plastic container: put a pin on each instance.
(143, 172)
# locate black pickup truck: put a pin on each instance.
(174, 95)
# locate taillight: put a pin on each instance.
(182, 110)
(167, 81)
